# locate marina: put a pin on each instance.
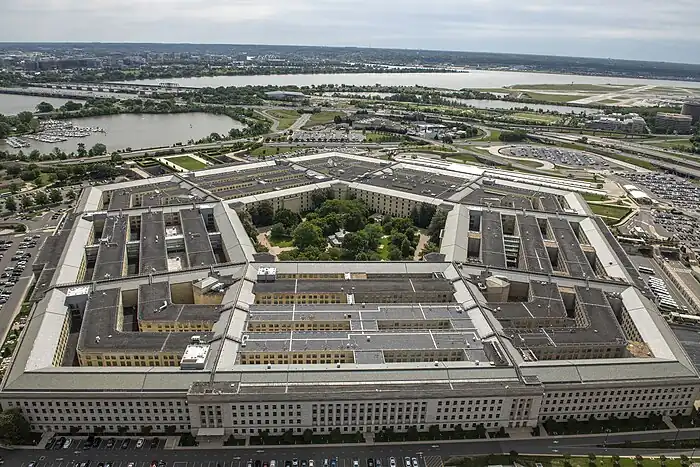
(123, 131)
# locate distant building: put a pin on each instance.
(670, 123)
(627, 123)
(286, 95)
(692, 109)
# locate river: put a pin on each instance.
(141, 131)
(475, 79)
(12, 104)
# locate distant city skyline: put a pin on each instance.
(624, 29)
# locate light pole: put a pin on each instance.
(605, 441)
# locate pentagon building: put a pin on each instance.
(151, 308)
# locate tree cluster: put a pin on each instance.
(513, 136)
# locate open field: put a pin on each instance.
(536, 117)
(556, 98)
(286, 117)
(321, 118)
(187, 162)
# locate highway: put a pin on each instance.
(431, 454)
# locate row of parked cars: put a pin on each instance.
(96, 442)
(333, 462)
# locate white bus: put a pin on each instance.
(684, 318)
(646, 270)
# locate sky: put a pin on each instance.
(665, 30)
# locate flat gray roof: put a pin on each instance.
(197, 245)
(111, 252)
(153, 253)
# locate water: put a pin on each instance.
(11, 104)
(494, 104)
(474, 79)
(141, 131)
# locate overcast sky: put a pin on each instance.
(665, 30)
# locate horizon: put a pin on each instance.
(641, 30)
(359, 47)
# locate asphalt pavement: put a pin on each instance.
(429, 454)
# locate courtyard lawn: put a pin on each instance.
(187, 162)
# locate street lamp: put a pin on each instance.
(605, 441)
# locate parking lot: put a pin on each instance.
(15, 274)
(234, 460)
(557, 156)
(677, 191)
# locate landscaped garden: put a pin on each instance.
(346, 230)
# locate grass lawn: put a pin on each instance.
(384, 248)
(495, 134)
(673, 143)
(270, 150)
(536, 117)
(322, 118)
(612, 212)
(464, 157)
(592, 197)
(187, 162)
(285, 117)
(282, 242)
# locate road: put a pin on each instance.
(430, 454)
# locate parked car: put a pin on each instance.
(125, 443)
(139, 443)
(154, 443)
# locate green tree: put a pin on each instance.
(406, 249)
(355, 243)
(71, 195)
(394, 253)
(10, 204)
(29, 175)
(81, 150)
(61, 176)
(99, 149)
(44, 107)
(55, 196)
(71, 106)
(412, 433)
(373, 233)
(308, 436)
(263, 214)
(437, 223)
(5, 130)
(434, 431)
(26, 202)
(116, 158)
(35, 155)
(41, 199)
(14, 428)
(287, 218)
(307, 235)
(14, 188)
(278, 230)
(25, 117)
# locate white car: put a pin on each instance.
(139, 443)
(392, 462)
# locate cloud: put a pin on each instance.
(638, 29)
